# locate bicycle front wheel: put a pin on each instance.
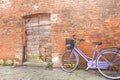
(108, 64)
(69, 61)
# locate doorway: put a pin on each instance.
(38, 38)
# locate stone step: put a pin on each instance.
(41, 64)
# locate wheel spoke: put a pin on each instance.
(68, 61)
(105, 59)
(115, 59)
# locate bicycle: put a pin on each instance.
(107, 61)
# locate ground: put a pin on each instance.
(41, 73)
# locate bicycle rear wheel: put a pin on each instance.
(69, 61)
(108, 64)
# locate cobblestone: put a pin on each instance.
(40, 73)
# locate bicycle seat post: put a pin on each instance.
(97, 43)
(96, 46)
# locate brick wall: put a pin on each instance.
(88, 19)
(92, 20)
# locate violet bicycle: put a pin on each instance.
(107, 61)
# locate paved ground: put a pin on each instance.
(40, 73)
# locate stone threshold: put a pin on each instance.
(39, 64)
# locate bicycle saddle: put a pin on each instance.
(97, 43)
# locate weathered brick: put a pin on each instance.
(1, 61)
(8, 62)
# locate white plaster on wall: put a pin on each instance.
(54, 18)
(5, 4)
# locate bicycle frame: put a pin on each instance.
(76, 49)
(91, 61)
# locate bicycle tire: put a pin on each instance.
(108, 64)
(69, 64)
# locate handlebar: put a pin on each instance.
(74, 38)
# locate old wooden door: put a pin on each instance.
(38, 32)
